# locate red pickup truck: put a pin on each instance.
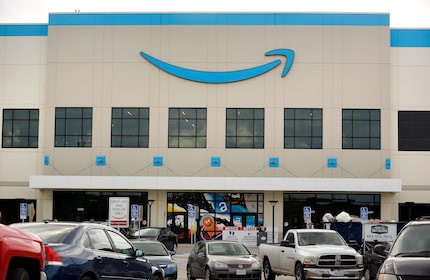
(22, 255)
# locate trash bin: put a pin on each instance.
(261, 237)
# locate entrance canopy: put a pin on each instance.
(216, 183)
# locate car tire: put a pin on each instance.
(18, 273)
(156, 277)
(86, 277)
(207, 274)
(299, 274)
(366, 274)
(189, 275)
(267, 271)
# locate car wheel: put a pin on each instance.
(86, 277)
(267, 271)
(189, 275)
(18, 273)
(299, 272)
(207, 274)
(367, 274)
(156, 277)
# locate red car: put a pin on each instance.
(21, 255)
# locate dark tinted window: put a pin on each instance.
(414, 130)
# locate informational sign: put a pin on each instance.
(307, 213)
(23, 211)
(364, 214)
(119, 211)
(191, 211)
(379, 232)
(134, 211)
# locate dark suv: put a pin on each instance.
(409, 257)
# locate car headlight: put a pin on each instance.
(220, 265)
(360, 260)
(256, 265)
(310, 260)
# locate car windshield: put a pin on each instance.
(147, 232)
(319, 238)
(151, 249)
(227, 249)
(49, 233)
(413, 240)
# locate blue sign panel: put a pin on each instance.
(307, 213)
(364, 214)
(134, 211)
(23, 211)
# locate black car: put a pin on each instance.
(162, 234)
(372, 259)
(409, 257)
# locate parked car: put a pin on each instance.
(162, 234)
(86, 251)
(21, 255)
(409, 257)
(218, 259)
(156, 252)
(372, 259)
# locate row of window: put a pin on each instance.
(187, 128)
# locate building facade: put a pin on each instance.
(204, 121)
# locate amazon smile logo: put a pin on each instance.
(228, 76)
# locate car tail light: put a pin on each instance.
(52, 257)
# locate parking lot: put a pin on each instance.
(182, 255)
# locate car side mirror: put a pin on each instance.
(138, 253)
(380, 250)
(286, 243)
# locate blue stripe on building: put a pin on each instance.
(220, 19)
(410, 38)
(24, 30)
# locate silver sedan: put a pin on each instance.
(216, 259)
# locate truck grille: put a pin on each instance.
(336, 260)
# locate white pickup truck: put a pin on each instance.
(311, 254)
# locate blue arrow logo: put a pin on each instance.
(228, 76)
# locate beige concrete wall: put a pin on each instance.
(334, 68)
(22, 86)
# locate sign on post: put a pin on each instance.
(118, 211)
(134, 211)
(364, 214)
(307, 214)
(23, 211)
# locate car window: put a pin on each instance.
(290, 238)
(412, 239)
(152, 249)
(201, 248)
(99, 240)
(121, 244)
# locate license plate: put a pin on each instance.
(240, 271)
(337, 273)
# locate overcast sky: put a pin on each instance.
(403, 13)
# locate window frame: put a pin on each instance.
(21, 124)
(139, 134)
(358, 121)
(65, 119)
(187, 128)
(314, 136)
(244, 128)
